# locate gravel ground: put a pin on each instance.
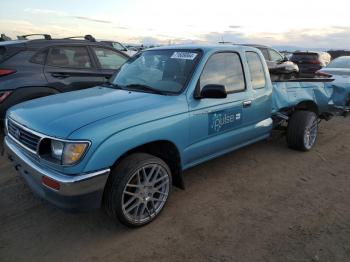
(261, 203)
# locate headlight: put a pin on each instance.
(62, 152)
(57, 149)
(73, 152)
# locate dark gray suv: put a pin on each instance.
(34, 68)
(280, 66)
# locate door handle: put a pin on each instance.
(247, 103)
(60, 75)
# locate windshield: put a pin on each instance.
(163, 71)
(342, 62)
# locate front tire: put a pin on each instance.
(138, 189)
(302, 130)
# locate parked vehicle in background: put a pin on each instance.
(136, 48)
(279, 65)
(35, 68)
(338, 53)
(286, 54)
(338, 66)
(120, 47)
(4, 37)
(123, 145)
(309, 62)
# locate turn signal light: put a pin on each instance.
(50, 183)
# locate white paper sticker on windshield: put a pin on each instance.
(184, 55)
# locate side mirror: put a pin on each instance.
(213, 91)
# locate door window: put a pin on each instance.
(256, 70)
(109, 59)
(224, 69)
(65, 56)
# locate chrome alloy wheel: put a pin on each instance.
(145, 193)
(311, 134)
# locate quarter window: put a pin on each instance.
(224, 69)
(109, 59)
(39, 58)
(256, 70)
(69, 57)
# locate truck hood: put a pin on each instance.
(60, 115)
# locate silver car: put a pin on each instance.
(339, 66)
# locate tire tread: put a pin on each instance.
(296, 129)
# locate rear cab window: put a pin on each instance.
(224, 69)
(256, 70)
(69, 56)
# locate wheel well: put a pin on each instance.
(166, 151)
(309, 106)
(28, 93)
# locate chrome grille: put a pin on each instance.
(23, 136)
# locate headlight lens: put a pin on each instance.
(56, 149)
(73, 152)
(62, 152)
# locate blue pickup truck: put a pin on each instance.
(122, 145)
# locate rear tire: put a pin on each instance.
(137, 189)
(302, 130)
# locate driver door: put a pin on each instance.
(217, 125)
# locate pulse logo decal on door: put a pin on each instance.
(224, 120)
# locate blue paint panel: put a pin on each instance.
(329, 96)
(224, 120)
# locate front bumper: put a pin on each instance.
(76, 192)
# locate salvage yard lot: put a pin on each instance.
(261, 203)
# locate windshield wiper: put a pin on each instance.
(110, 84)
(145, 88)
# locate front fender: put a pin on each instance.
(174, 129)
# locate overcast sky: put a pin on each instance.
(305, 23)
